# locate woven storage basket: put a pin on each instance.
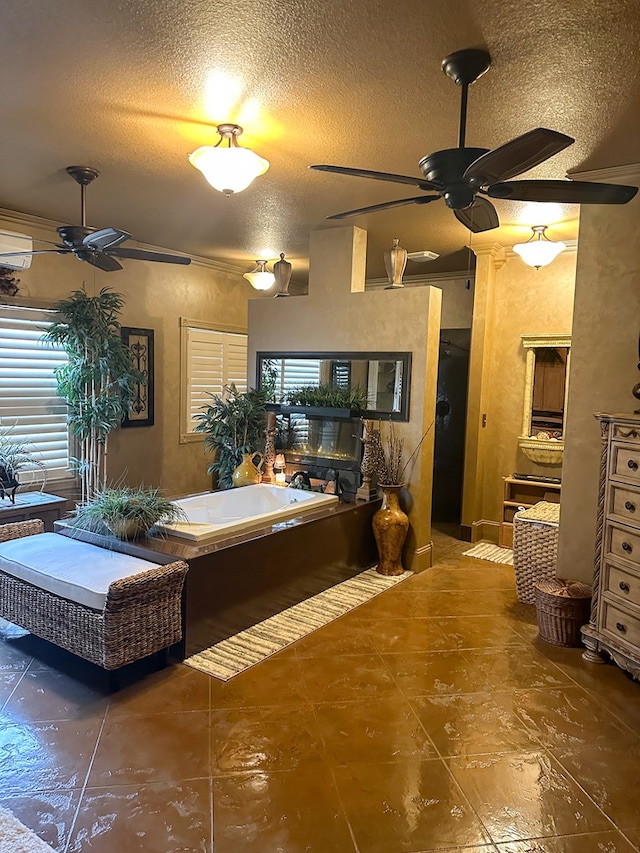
(563, 608)
(535, 547)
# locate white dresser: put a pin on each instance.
(614, 626)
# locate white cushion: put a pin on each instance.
(67, 567)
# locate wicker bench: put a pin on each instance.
(141, 614)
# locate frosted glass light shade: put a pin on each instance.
(260, 278)
(228, 170)
(539, 251)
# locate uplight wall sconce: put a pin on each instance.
(260, 278)
(228, 167)
(539, 250)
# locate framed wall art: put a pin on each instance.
(140, 345)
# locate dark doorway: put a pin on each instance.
(451, 415)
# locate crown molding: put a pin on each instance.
(612, 174)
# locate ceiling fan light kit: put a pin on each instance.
(260, 278)
(539, 250)
(228, 168)
(467, 177)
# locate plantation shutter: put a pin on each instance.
(292, 373)
(214, 359)
(30, 407)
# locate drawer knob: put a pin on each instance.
(627, 546)
(630, 507)
(621, 627)
(624, 586)
(632, 464)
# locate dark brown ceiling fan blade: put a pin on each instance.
(421, 199)
(142, 255)
(517, 156)
(563, 192)
(480, 216)
(99, 259)
(105, 238)
(378, 176)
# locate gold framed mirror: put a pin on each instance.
(545, 397)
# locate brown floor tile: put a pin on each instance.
(292, 812)
(176, 688)
(633, 835)
(337, 638)
(47, 756)
(467, 574)
(477, 632)
(527, 795)
(569, 717)
(596, 842)
(384, 730)
(49, 814)
(8, 683)
(152, 748)
(266, 739)
(276, 681)
(513, 667)
(404, 635)
(473, 723)
(413, 805)
(606, 774)
(434, 673)
(48, 695)
(156, 818)
(15, 653)
(360, 677)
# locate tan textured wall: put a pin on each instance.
(338, 315)
(512, 299)
(156, 296)
(604, 358)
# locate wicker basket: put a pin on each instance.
(535, 547)
(563, 608)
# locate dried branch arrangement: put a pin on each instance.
(385, 454)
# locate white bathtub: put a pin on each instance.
(215, 515)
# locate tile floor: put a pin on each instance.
(430, 718)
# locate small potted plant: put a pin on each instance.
(15, 455)
(126, 512)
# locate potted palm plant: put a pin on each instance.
(127, 512)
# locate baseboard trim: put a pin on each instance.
(419, 559)
(485, 529)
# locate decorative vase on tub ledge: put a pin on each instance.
(247, 473)
(390, 527)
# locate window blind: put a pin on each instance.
(29, 403)
(214, 359)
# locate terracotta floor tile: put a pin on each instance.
(384, 730)
(48, 695)
(155, 818)
(467, 574)
(8, 683)
(49, 814)
(361, 677)
(266, 739)
(413, 805)
(473, 723)
(49, 756)
(152, 748)
(513, 667)
(176, 688)
(434, 673)
(526, 795)
(633, 835)
(569, 717)
(404, 635)
(596, 842)
(336, 639)
(289, 811)
(273, 682)
(477, 632)
(605, 773)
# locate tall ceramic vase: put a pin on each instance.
(390, 526)
(395, 260)
(282, 273)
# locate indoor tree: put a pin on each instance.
(98, 381)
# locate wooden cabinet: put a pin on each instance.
(30, 505)
(614, 626)
(520, 494)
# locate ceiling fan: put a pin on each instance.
(98, 247)
(463, 176)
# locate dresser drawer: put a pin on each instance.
(628, 433)
(625, 462)
(618, 623)
(620, 583)
(621, 542)
(624, 502)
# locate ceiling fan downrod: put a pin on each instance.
(84, 175)
(464, 67)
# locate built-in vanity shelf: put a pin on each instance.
(519, 494)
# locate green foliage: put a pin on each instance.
(269, 378)
(15, 452)
(233, 424)
(142, 505)
(326, 395)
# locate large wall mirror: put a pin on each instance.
(384, 376)
(545, 397)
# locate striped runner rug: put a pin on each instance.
(492, 553)
(234, 655)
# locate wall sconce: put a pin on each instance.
(229, 169)
(260, 278)
(278, 467)
(539, 250)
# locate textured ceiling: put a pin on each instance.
(132, 87)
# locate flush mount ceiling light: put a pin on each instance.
(539, 250)
(260, 278)
(228, 168)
